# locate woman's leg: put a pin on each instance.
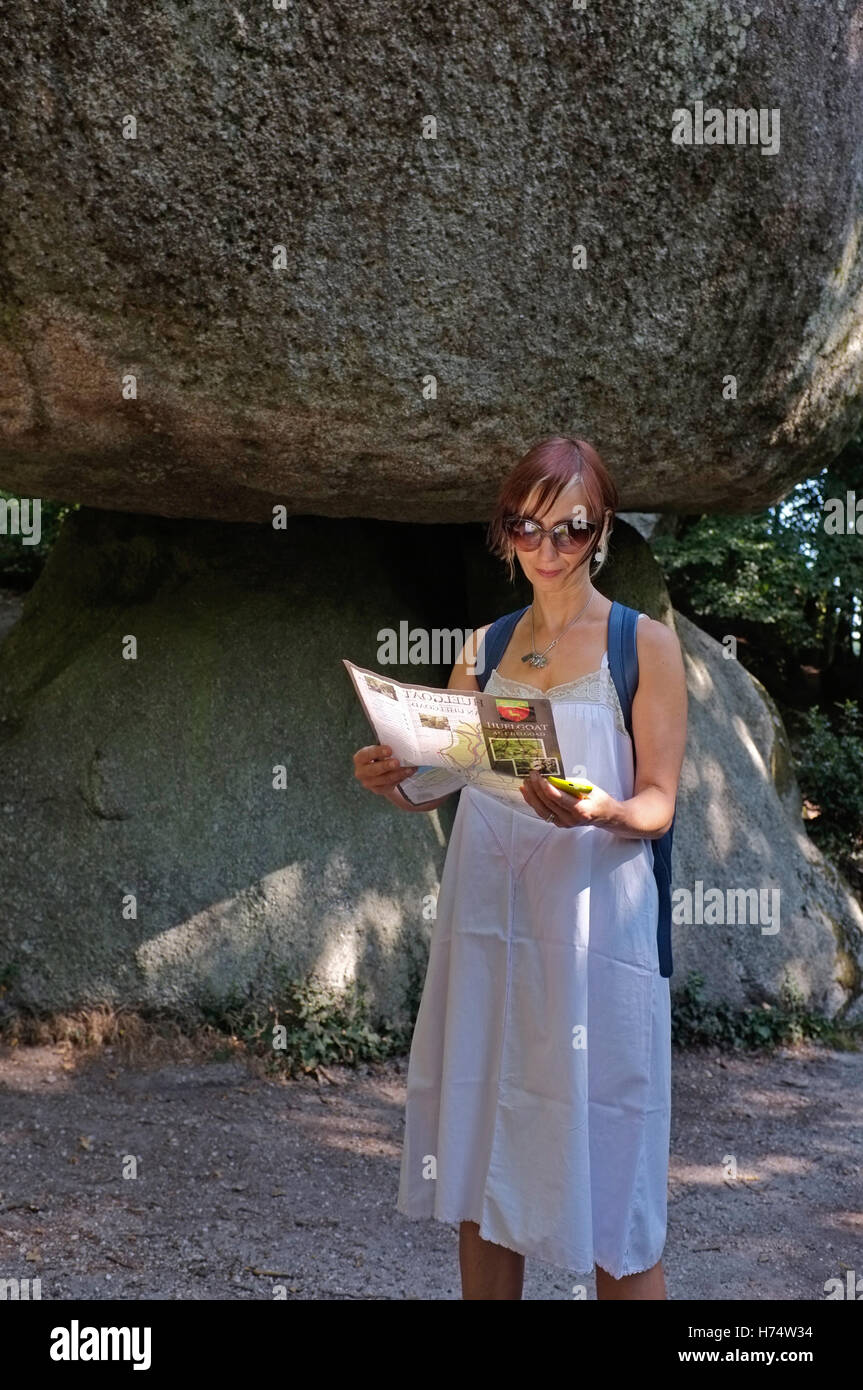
(487, 1270)
(649, 1284)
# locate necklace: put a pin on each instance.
(539, 658)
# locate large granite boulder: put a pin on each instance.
(158, 776)
(772, 907)
(258, 255)
(153, 775)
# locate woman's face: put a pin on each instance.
(546, 567)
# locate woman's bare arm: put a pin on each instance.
(658, 731)
(659, 738)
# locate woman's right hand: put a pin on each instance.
(377, 771)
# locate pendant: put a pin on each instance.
(536, 659)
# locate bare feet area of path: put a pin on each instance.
(248, 1188)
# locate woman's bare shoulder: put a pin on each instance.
(657, 642)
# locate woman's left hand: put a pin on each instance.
(597, 808)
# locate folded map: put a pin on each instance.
(459, 738)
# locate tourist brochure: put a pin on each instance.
(457, 738)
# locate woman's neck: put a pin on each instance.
(552, 611)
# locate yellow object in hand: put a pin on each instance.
(577, 787)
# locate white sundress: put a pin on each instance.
(539, 1081)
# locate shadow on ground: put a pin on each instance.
(245, 1184)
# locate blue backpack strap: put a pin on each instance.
(623, 663)
(623, 657)
(494, 643)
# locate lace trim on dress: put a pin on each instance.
(594, 688)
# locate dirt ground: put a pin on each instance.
(244, 1184)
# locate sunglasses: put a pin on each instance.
(566, 536)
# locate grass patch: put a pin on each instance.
(311, 1026)
(695, 1022)
(308, 1027)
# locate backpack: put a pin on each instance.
(623, 663)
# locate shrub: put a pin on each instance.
(829, 762)
(696, 1022)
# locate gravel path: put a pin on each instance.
(244, 1184)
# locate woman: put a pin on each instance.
(538, 1093)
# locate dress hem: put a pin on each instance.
(543, 1259)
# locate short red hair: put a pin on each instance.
(549, 466)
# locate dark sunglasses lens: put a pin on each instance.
(567, 537)
(572, 535)
(525, 535)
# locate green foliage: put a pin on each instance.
(732, 567)
(830, 773)
(20, 564)
(321, 1026)
(695, 1022)
(793, 586)
(792, 592)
